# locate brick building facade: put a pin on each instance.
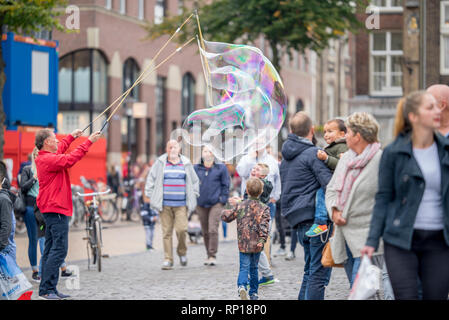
(408, 50)
(105, 57)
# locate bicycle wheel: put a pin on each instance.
(108, 211)
(97, 228)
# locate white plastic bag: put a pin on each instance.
(13, 283)
(367, 281)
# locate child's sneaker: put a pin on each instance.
(316, 230)
(36, 277)
(266, 280)
(254, 296)
(242, 293)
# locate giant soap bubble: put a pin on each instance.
(246, 98)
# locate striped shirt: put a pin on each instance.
(174, 185)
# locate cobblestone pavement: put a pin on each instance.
(139, 276)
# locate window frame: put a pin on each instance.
(134, 95)
(388, 8)
(390, 91)
(163, 4)
(108, 4)
(188, 82)
(444, 33)
(90, 105)
(122, 8)
(141, 8)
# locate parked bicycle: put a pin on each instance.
(131, 200)
(93, 229)
(107, 206)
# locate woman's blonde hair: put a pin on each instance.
(407, 105)
(365, 124)
(33, 159)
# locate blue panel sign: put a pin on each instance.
(30, 95)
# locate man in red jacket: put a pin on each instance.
(55, 201)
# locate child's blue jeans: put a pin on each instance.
(320, 208)
(248, 265)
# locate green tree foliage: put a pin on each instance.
(287, 24)
(26, 16)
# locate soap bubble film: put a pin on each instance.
(246, 98)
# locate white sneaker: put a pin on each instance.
(290, 256)
(212, 261)
(206, 262)
(242, 293)
(280, 252)
(183, 260)
(167, 265)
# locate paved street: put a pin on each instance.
(132, 273)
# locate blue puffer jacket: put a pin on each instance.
(302, 174)
(214, 184)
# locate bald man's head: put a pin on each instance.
(300, 124)
(441, 94)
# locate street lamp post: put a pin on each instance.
(129, 114)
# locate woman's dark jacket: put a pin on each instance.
(27, 181)
(401, 188)
(214, 184)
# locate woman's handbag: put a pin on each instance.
(19, 203)
(326, 257)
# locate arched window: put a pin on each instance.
(83, 80)
(131, 72)
(188, 95)
(299, 105)
(159, 11)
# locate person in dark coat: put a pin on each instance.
(214, 192)
(302, 175)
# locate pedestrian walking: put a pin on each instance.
(350, 195)
(411, 211)
(253, 218)
(441, 93)
(29, 187)
(173, 187)
(302, 175)
(13, 281)
(244, 168)
(149, 219)
(55, 201)
(214, 183)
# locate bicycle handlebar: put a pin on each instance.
(93, 193)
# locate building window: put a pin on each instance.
(108, 4)
(388, 5)
(159, 11)
(330, 101)
(141, 9)
(444, 41)
(160, 115)
(131, 72)
(122, 6)
(299, 105)
(83, 81)
(180, 6)
(188, 95)
(385, 63)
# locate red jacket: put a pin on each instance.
(55, 193)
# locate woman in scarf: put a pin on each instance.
(351, 191)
